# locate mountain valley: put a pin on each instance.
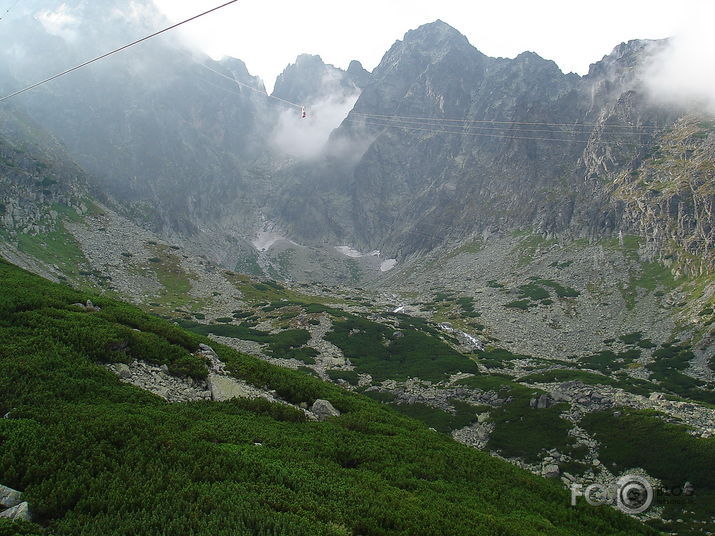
(518, 258)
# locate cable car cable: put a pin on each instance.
(93, 60)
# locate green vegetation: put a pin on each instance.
(608, 361)
(535, 292)
(19, 528)
(286, 344)
(519, 304)
(98, 457)
(349, 376)
(496, 357)
(57, 247)
(631, 338)
(167, 269)
(670, 361)
(521, 431)
(666, 451)
(375, 349)
(473, 246)
(467, 305)
(621, 380)
(652, 277)
(628, 442)
(438, 419)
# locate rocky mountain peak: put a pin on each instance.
(358, 73)
(240, 72)
(310, 79)
(435, 33)
(625, 55)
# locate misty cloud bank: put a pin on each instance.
(683, 73)
(306, 138)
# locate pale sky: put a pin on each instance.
(269, 34)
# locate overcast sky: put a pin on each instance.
(269, 34)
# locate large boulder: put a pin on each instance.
(550, 470)
(21, 512)
(225, 388)
(542, 402)
(323, 410)
(9, 497)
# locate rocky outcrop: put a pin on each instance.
(475, 435)
(9, 497)
(542, 402)
(157, 380)
(669, 197)
(584, 398)
(21, 512)
(88, 307)
(323, 410)
(225, 388)
(416, 391)
(12, 506)
(219, 385)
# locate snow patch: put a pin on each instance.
(266, 239)
(388, 265)
(355, 254)
(349, 252)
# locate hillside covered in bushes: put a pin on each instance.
(95, 456)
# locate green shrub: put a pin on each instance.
(95, 456)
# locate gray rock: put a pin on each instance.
(123, 370)
(225, 388)
(9, 497)
(543, 402)
(550, 471)
(559, 396)
(21, 512)
(323, 410)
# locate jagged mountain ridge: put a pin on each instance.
(221, 159)
(415, 187)
(310, 79)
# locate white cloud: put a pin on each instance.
(269, 34)
(683, 74)
(306, 138)
(62, 22)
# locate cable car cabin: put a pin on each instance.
(303, 114)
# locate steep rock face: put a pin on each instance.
(669, 197)
(162, 129)
(440, 157)
(37, 178)
(445, 141)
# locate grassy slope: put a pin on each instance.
(95, 456)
